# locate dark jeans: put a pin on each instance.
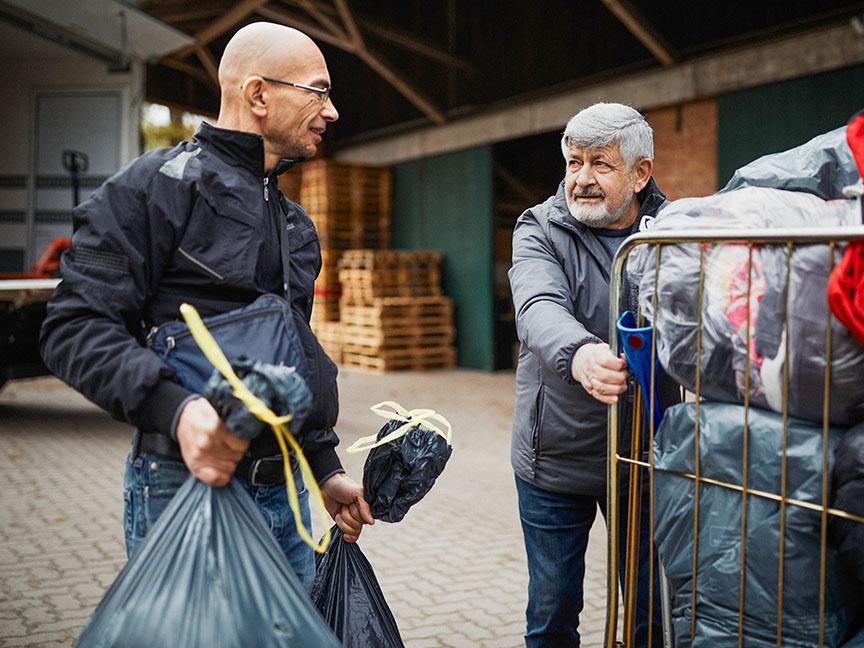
(556, 529)
(151, 481)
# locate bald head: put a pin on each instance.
(264, 49)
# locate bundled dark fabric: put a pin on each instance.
(719, 547)
(822, 167)
(724, 307)
(349, 598)
(399, 473)
(280, 388)
(848, 495)
(210, 575)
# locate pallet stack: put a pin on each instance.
(392, 313)
(350, 206)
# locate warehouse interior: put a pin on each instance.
(462, 104)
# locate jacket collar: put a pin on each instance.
(650, 200)
(238, 148)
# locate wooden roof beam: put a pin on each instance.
(209, 63)
(349, 22)
(226, 21)
(373, 61)
(396, 37)
(311, 30)
(643, 30)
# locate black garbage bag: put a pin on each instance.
(848, 495)
(349, 598)
(280, 388)
(406, 457)
(209, 574)
(718, 544)
(399, 472)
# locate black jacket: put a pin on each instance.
(197, 223)
(560, 284)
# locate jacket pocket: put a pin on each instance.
(200, 264)
(539, 403)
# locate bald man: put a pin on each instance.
(205, 223)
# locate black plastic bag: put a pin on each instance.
(208, 574)
(399, 472)
(848, 495)
(349, 598)
(280, 388)
(404, 461)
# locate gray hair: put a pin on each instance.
(603, 123)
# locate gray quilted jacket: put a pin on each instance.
(560, 284)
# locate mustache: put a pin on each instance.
(591, 193)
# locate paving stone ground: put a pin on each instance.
(453, 571)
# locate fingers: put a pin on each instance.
(365, 511)
(209, 449)
(349, 526)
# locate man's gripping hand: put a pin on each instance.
(343, 498)
(601, 374)
(209, 448)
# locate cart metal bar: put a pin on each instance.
(741, 236)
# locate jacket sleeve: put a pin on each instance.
(92, 335)
(546, 321)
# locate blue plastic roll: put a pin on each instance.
(635, 342)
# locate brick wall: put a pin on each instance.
(685, 148)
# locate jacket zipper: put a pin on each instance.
(171, 340)
(266, 189)
(208, 269)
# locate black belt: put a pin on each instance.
(258, 471)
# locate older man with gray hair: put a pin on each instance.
(567, 375)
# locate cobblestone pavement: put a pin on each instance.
(453, 571)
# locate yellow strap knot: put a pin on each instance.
(393, 411)
(213, 353)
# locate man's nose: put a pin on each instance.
(329, 112)
(585, 176)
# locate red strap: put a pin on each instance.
(855, 138)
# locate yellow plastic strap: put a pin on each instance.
(213, 353)
(393, 411)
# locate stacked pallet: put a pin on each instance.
(392, 314)
(350, 206)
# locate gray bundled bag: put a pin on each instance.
(719, 548)
(210, 575)
(724, 348)
(822, 167)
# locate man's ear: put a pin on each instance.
(643, 169)
(255, 96)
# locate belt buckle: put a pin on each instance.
(253, 473)
(258, 463)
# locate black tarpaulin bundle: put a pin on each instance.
(721, 438)
(348, 596)
(210, 575)
(407, 456)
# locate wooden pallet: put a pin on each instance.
(336, 187)
(325, 309)
(329, 334)
(392, 311)
(389, 259)
(418, 359)
(359, 338)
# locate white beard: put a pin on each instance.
(597, 215)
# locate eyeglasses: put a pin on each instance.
(323, 93)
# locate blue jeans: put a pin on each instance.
(150, 482)
(556, 529)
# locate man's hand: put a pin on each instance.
(343, 498)
(209, 449)
(601, 374)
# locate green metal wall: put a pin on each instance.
(444, 203)
(779, 116)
